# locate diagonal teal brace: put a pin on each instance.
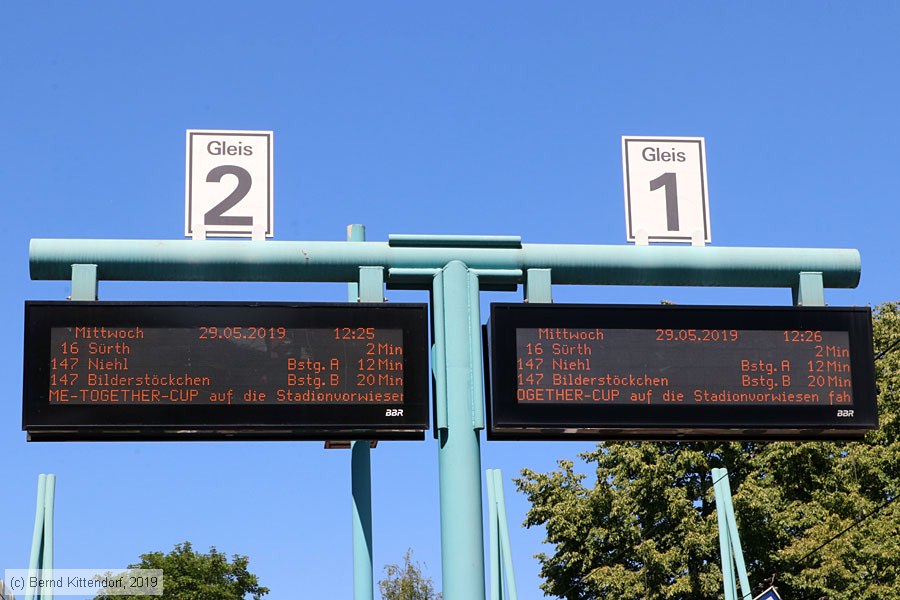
(509, 577)
(494, 532)
(41, 559)
(724, 503)
(725, 546)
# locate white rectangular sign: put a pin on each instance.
(665, 189)
(228, 184)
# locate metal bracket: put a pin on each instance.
(258, 231)
(402, 240)
(537, 286)
(457, 330)
(371, 284)
(198, 231)
(84, 282)
(456, 313)
(809, 290)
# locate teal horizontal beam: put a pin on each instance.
(187, 260)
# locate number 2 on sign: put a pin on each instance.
(670, 182)
(216, 215)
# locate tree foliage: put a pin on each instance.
(817, 518)
(189, 575)
(407, 582)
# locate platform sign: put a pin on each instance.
(199, 371)
(666, 197)
(677, 372)
(229, 184)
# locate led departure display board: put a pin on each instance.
(214, 370)
(678, 372)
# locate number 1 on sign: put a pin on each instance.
(670, 182)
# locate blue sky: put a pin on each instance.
(460, 118)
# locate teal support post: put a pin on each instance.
(37, 538)
(369, 289)
(41, 558)
(361, 468)
(459, 448)
(84, 282)
(734, 536)
(47, 558)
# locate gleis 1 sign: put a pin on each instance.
(666, 197)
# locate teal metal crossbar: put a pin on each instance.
(185, 260)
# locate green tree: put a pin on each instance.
(189, 575)
(407, 582)
(817, 518)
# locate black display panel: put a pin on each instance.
(570, 371)
(216, 370)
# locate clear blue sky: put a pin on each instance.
(464, 118)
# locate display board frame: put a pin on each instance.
(509, 419)
(44, 421)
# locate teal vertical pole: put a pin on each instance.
(360, 459)
(47, 558)
(361, 482)
(459, 448)
(37, 537)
